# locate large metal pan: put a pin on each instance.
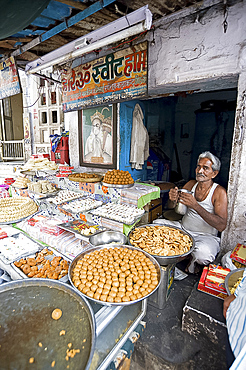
(232, 278)
(92, 249)
(30, 337)
(168, 260)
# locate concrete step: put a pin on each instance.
(203, 319)
(187, 334)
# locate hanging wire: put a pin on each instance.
(39, 95)
(225, 23)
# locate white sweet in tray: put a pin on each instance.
(119, 212)
(16, 246)
(65, 196)
(82, 205)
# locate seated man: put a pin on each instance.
(206, 210)
(235, 313)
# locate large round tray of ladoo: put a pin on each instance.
(115, 275)
(118, 179)
(167, 244)
(45, 324)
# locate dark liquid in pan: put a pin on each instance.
(25, 321)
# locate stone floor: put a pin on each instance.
(201, 343)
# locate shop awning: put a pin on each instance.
(124, 27)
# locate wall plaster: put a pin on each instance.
(196, 49)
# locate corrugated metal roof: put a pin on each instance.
(63, 21)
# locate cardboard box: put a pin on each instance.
(40, 156)
(212, 287)
(215, 278)
(65, 168)
(239, 254)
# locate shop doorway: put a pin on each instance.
(180, 127)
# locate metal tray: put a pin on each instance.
(167, 260)
(89, 250)
(88, 180)
(68, 226)
(43, 195)
(232, 278)
(28, 172)
(137, 218)
(117, 186)
(38, 173)
(64, 279)
(36, 246)
(73, 200)
(80, 195)
(29, 304)
(20, 188)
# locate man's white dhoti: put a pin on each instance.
(206, 248)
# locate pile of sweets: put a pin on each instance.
(42, 187)
(39, 164)
(21, 182)
(118, 177)
(16, 208)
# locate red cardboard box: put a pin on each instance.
(65, 168)
(212, 290)
(62, 174)
(9, 181)
(42, 155)
(215, 278)
(68, 172)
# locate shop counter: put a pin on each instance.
(117, 328)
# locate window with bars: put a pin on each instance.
(44, 117)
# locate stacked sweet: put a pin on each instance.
(119, 212)
(42, 186)
(39, 164)
(21, 182)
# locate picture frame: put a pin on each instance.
(98, 136)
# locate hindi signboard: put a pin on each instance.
(9, 79)
(115, 77)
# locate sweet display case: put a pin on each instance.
(113, 327)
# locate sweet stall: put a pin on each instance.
(48, 225)
(89, 232)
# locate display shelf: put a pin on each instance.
(113, 327)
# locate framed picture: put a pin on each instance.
(98, 136)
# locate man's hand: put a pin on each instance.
(227, 303)
(188, 200)
(173, 194)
